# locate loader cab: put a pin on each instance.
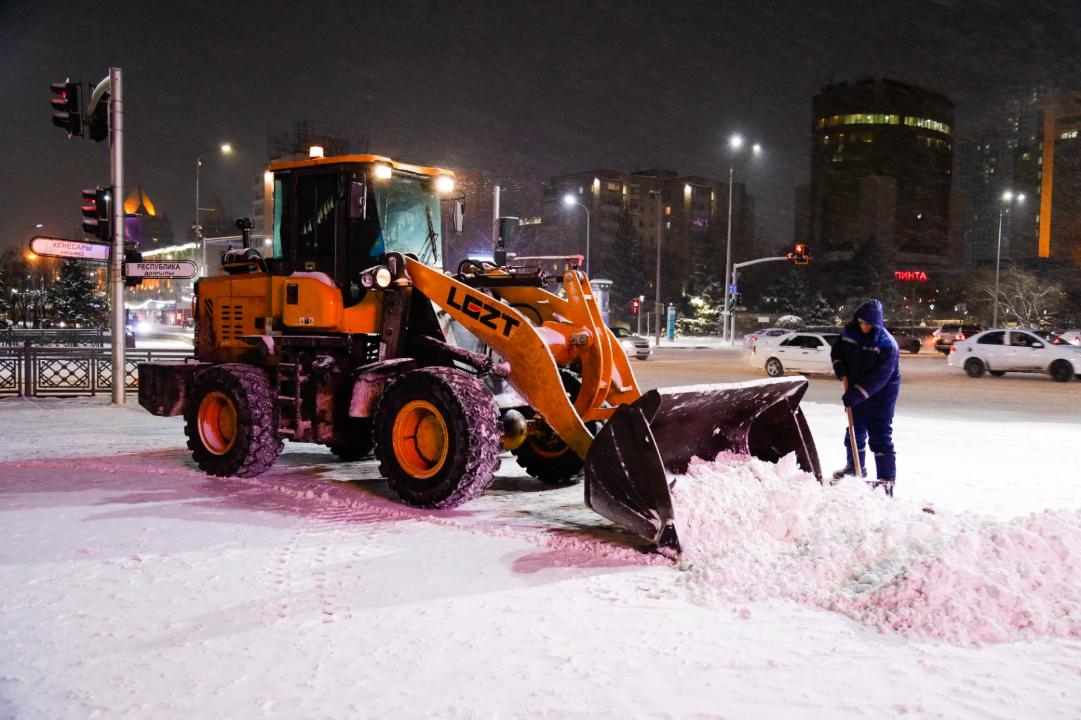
(339, 216)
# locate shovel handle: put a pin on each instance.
(852, 437)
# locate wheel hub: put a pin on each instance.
(421, 439)
(217, 422)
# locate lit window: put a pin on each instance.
(1068, 135)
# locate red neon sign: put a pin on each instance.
(910, 275)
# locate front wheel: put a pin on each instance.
(438, 437)
(1061, 370)
(230, 421)
(974, 367)
(774, 368)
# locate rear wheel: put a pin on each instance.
(437, 437)
(974, 367)
(997, 373)
(915, 347)
(1061, 370)
(774, 368)
(230, 421)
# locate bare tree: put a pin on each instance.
(1023, 297)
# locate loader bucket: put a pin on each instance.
(625, 469)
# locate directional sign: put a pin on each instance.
(59, 247)
(164, 269)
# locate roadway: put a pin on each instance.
(928, 385)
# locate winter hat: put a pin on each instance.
(870, 312)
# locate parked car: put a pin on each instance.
(803, 352)
(751, 338)
(1073, 337)
(1001, 351)
(632, 344)
(950, 332)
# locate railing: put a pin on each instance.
(56, 337)
(32, 371)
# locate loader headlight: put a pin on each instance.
(383, 172)
(378, 276)
(444, 184)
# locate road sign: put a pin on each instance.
(733, 289)
(165, 269)
(61, 247)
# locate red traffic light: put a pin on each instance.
(97, 219)
(67, 109)
(634, 306)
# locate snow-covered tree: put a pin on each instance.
(73, 298)
(1024, 298)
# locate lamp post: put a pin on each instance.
(570, 200)
(1008, 199)
(22, 233)
(735, 143)
(224, 149)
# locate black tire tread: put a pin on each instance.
(474, 427)
(361, 441)
(256, 447)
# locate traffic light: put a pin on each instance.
(132, 256)
(799, 255)
(97, 215)
(67, 110)
(634, 306)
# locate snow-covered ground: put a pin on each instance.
(134, 586)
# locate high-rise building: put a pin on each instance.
(1060, 179)
(622, 206)
(881, 166)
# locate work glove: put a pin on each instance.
(852, 398)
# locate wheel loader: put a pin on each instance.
(344, 331)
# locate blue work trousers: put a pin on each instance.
(874, 426)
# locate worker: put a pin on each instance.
(866, 360)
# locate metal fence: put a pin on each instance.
(55, 337)
(31, 371)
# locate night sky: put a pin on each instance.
(522, 89)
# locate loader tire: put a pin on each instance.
(549, 460)
(545, 456)
(359, 443)
(230, 421)
(1061, 370)
(974, 367)
(438, 437)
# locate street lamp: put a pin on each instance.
(224, 149)
(569, 199)
(1009, 198)
(22, 232)
(735, 143)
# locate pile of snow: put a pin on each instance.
(753, 530)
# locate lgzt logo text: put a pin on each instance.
(482, 311)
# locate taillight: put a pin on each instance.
(960, 336)
(953, 348)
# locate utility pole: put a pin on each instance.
(660, 240)
(495, 216)
(116, 258)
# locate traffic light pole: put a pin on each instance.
(116, 258)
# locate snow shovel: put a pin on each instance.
(627, 465)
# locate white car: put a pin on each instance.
(751, 338)
(803, 352)
(633, 345)
(1073, 337)
(1001, 351)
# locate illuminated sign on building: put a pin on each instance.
(910, 275)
